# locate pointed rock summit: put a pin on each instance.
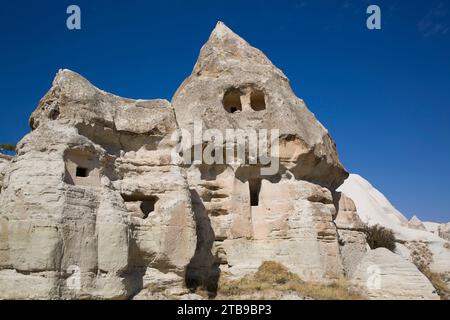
(416, 223)
(226, 51)
(235, 86)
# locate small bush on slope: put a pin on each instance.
(278, 280)
(380, 237)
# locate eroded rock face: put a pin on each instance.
(285, 220)
(248, 217)
(94, 206)
(373, 208)
(385, 275)
(4, 161)
(92, 192)
(416, 223)
(352, 239)
(444, 231)
(235, 86)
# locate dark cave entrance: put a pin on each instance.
(254, 188)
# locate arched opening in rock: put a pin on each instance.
(140, 206)
(232, 101)
(254, 188)
(257, 100)
(54, 114)
(148, 206)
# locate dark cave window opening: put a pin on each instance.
(148, 206)
(257, 100)
(82, 172)
(232, 101)
(147, 203)
(254, 188)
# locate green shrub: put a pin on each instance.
(380, 237)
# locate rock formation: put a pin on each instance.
(444, 231)
(92, 191)
(96, 203)
(4, 161)
(351, 236)
(234, 85)
(418, 242)
(416, 223)
(440, 229)
(385, 275)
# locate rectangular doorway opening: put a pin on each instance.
(82, 172)
(254, 188)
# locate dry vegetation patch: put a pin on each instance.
(273, 280)
(380, 237)
(422, 257)
(439, 283)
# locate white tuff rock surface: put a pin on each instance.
(385, 275)
(4, 162)
(295, 210)
(56, 220)
(352, 239)
(416, 223)
(432, 226)
(444, 231)
(92, 205)
(93, 192)
(373, 208)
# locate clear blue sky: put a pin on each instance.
(383, 95)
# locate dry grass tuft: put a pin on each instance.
(438, 282)
(278, 280)
(275, 273)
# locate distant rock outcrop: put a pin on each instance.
(417, 241)
(416, 223)
(444, 231)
